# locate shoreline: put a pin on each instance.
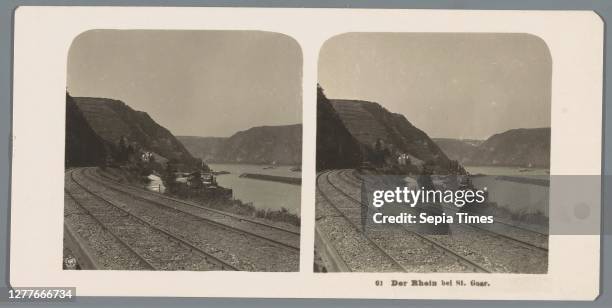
(273, 178)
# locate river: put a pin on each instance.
(263, 194)
(517, 196)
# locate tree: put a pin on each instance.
(123, 150)
(380, 153)
(169, 177)
(424, 179)
(130, 152)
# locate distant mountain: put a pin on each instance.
(369, 122)
(521, 147)
(517, 147)
(83, 146)
(113, 120)
(336, 147)
(258, 145)
(460, 150)
(206, 148)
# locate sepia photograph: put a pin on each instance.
(200, 152)
(433, 153)
(183, 151)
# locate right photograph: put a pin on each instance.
(433, 153)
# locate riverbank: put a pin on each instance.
(506, 170)
(281, 216)
(263, 194)
(273, 178)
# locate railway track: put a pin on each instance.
(227, 246)
(394, 264)
(195, 205)
(510, 228)
(155, 247)
(445, 251)
(495, 257)
(274, 235)
(352, 176)
(140, 263)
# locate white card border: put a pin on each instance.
(43, 36)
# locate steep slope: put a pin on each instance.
(206, 148)
(369, 122)
(336, 147)
(460, 150)
(522, 147)
(83, 146)
(113, 120)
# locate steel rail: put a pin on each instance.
(200, 218)
(207, 256)
(105, 228)
(374, 244)
(199, 206)
(441, 247)
(497, 234)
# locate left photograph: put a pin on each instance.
(183, 151)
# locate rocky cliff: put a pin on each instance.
(336, 147)
(113, 120)
(374, 126)
(83, 146)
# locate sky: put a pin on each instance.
(199, 83)
(467, 86)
